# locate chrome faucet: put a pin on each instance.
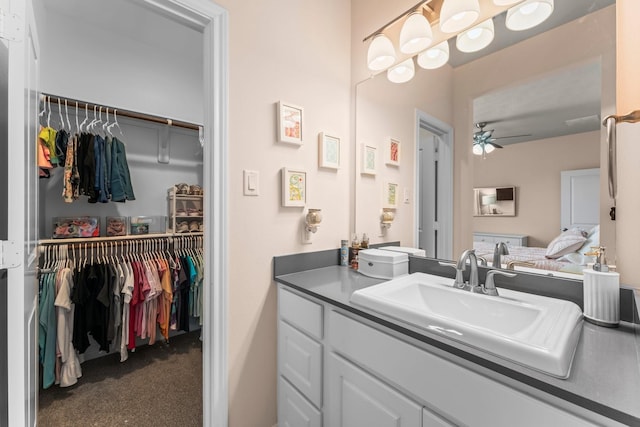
(489, 288)
(501, 249)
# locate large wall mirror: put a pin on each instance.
(542, 99)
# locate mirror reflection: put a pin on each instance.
(435, 118)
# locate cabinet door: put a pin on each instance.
(293, 409)
(429, 419)
(358, 399)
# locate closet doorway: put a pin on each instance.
(28, 76)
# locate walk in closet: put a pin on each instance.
(125, 73)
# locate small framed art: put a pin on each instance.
(294, 187)
(392, 152)
(390, 195)
(290, 123)
(328, 151)
(369, 159)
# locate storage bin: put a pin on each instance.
(117, 226)
(74, 227)
(147, 224)
(383, 264)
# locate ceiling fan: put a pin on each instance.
(484, 142)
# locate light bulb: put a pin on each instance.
(434, 57)
(401, 73)
(476, 38)
(381, 54)
(528, 14)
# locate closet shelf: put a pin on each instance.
(116, 238)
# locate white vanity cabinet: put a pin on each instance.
(509, 239)
(338, 369)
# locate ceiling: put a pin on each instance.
(563, 103)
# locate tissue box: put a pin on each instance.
(74, 227)
(147, 224)
(382, 264)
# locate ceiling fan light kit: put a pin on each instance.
(454, 18)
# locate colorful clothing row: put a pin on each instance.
(115, 303)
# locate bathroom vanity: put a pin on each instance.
(340, 364)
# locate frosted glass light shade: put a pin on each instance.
(476, 38)
(416, 34)
(488, 148)
(456, 15)
(505, 2)
(528, 14)
(477, 149)
(403, 72)
(381, 54)
(434, 57)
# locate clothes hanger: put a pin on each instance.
(105, 126)
(115, 123)
(49, 113)
(77, 125)
(60, 114)
(66, 112)
(86, 116)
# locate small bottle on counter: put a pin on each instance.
(353, 251)
(344, 253)
(365, 241)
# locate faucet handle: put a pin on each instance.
(459, 281)
(489, 288)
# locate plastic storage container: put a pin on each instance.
(383, 264)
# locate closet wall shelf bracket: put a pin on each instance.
(10, 255)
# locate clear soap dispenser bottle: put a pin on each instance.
(601, 291)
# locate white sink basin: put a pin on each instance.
(531, 330)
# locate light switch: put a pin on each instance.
(251, 183)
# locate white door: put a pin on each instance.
(22, 218)
(580, 204)
(434, 187)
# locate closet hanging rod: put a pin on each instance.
(117, 238)
(122, 113)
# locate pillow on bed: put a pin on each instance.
(567, 242)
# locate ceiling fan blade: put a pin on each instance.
(487, 133)
(494, 144)
(511, 136)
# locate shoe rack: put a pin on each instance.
(185, 210)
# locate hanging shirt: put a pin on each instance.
(70, 369)
(47, 327)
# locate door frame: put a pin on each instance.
(212, 20)
(443, 131)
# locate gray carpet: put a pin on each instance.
(160, 385)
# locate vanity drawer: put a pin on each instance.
(294, 409)
(304, 314)
(300, 362)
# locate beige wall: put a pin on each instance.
(298, 52)
(628, 88)
(534, 169)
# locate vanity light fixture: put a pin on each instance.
(528, 14)
(456, 15)
(434, 57)
(416, 34)
(476, 38)
(381, 54)
(403, 72)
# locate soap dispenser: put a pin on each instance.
(601, 292)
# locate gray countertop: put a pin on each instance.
(604, 378)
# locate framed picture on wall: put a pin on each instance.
(328, 151)
(294, 187)
(369, 159)
(390, 195)
(392, 152)
(290, 123)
